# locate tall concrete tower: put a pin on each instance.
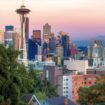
(46, 31)
(23, 11)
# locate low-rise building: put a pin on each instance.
(80, 66)
(57, 101)
(51, 73)
(68, 85)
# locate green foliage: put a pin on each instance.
(15, 80)
(42, 86)
(41, 95)
(94, 95)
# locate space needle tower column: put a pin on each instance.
(23, 11)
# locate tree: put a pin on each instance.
(42, 87)
(14, 78)
(94, 95)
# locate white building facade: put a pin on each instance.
(65, 86)
(80, 66)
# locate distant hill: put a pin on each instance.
(85, 43)
(101, 37)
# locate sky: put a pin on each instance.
(81, 19)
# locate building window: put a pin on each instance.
(66, 79)
(85, 78)
(85, 82)
(66, 83)
(73, 92)
(66, 87)
(66, 91)
(90, 83)
(66, 95)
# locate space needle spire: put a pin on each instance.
(22, 2)
(23, 11)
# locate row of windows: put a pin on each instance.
(84, 83)
(65, 83)
(89, 82)
(65, 91)
(66, 95)
(65, 79)
(65, 87)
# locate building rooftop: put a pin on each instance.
(58, 101)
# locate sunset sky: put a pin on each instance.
(79, 18)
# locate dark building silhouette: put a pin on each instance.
(52, 44)
(66, 46)
(37, 36)
(32, 49)
(9, 28)
(27, 29)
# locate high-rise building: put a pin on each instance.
(46, 40)
(9, 28)
(9, 38)
(96, 53)
(16, 40)
(66, 45)
(59, 54)
(46, 31)
(37, 36)
(59, 51)
(52, 44)
(32, 49)
(64, 40)
(27, 29)
(1, 37)
(23, 11)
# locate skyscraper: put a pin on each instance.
(27, 29)
(9, 28)
(96, 53)
(9, 38)
(46, 31)
(32, 49)
(52, 44)
(8, 33)
(66, 45)
(59, 54)
(37, 36)
(23, 11)
(16, 40)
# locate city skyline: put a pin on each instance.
(79, 18)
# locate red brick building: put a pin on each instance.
(69, 84)
(82, 81)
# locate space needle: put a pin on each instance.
(23, 11)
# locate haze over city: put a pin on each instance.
(52, 52)
(79, 18)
